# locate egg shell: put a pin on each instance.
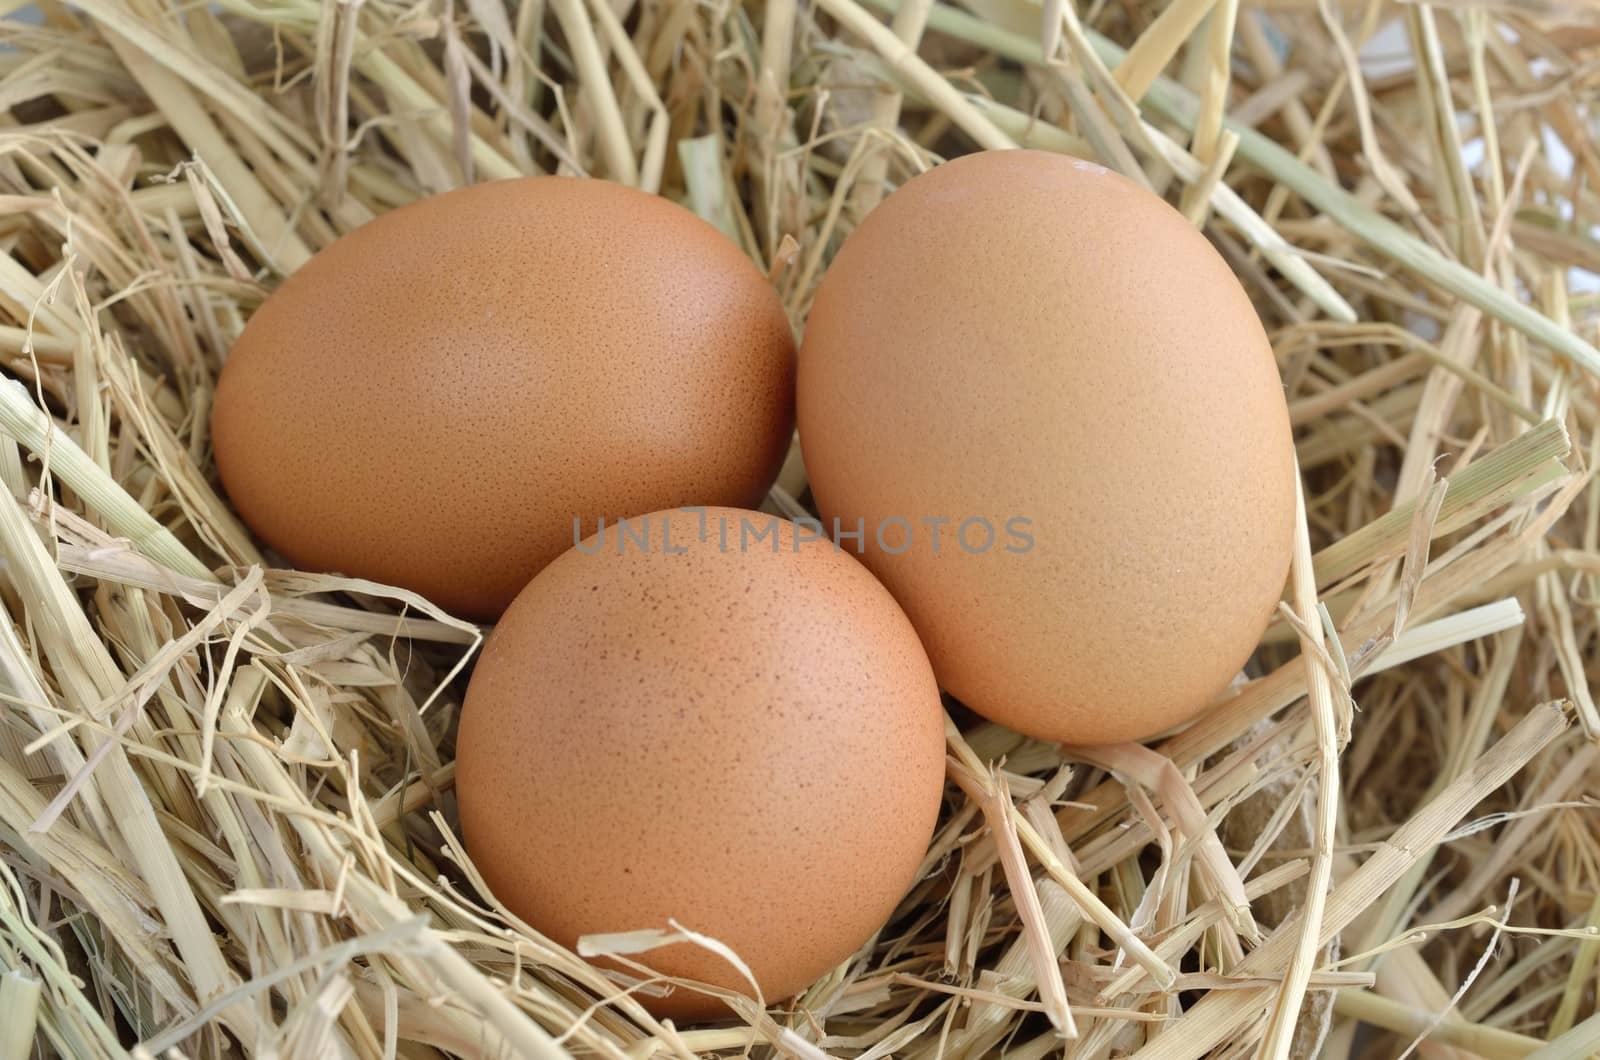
(431, 400)
(744, 738)
(1025, 335)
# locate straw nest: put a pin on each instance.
(225, 809)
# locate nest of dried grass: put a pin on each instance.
(225, 819)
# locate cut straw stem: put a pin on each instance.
(1476, 488)
(19, 1014)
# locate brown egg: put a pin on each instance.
(431, 400)
(741, 734)
(1058, 364)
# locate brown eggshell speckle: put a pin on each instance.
(431, 400)
(1023, 335)
(745, 740)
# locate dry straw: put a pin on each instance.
(225, 815)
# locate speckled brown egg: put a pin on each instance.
(739, 732)
(431, 400)
(1056, 364)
